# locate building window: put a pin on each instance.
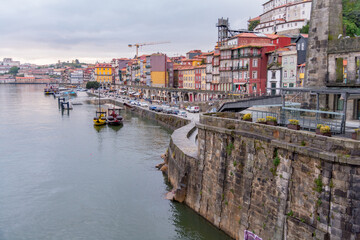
(255, 62)
(285, 74)
(303, 46)
(291, 85)
(285, 60)
(273, 75)
(254, 74)
(292, 73)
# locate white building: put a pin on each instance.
(77, 77)
(289, 68)
(9, 62)
(284, 16)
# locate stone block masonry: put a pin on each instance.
(275, 182)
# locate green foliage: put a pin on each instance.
(253, 24)
(303, 143)
(229, 148)
(318, 184)
(92, 84)
(305, 29)
(14, 70)
(276, 161)
(290, 214)
(351, 17)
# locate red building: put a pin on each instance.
(243, 61)
(198, 76)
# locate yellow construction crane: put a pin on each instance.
(137, 45)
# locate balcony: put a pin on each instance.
(348, 83)
(237, 68)
(225, 57)
(225, 79)
(246, 55)
(225, 68)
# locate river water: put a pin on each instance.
(61, 178)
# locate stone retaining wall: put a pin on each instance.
(276, 182)
(169, 121)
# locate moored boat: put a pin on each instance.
(100, 118)
(114, 118)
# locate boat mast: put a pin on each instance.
(99, 99)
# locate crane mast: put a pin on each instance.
(137, 45)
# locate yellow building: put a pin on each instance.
(104, 73)
(188, 77)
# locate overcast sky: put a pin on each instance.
(44, 31)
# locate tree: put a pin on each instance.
(14, 70)
(92, 84)
(351, 17)
(305, 29)
(253, 24)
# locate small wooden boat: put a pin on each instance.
(114, 118)
(100, 118)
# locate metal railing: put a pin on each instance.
(308, 119)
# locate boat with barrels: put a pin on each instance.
(114, 118)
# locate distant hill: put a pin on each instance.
(351, 17)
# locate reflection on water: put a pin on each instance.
(63, 178)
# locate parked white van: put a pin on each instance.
(194, 109)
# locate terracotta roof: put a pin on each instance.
(272, 36)
(255, 45)
(304, 35)
(195, 51)
(302, 65)
(254, 19)
(209, 53)
(200, 66)
(103, 65)
(279, 50)
(291, 44)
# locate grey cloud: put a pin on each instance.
(92, 29)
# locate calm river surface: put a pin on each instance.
(60, 178)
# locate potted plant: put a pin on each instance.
(294, 124)
(325, 131)
(261, 120)
(356, 134)
(247, 117)
(271, 121)
(318, 128)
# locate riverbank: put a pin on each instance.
(169, 121)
